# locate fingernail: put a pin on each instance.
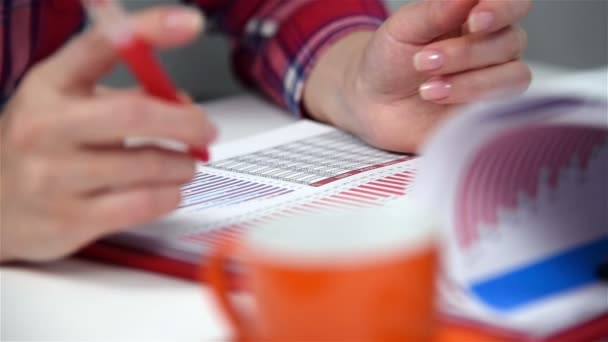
(183, 19)
(480, 21)
(199, 153)
(435, 90)
(428, 60)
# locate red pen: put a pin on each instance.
(137, 54)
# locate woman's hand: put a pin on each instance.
(392, 86)
(65, 177)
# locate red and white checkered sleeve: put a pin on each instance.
(277, 42)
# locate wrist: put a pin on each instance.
(328, 92)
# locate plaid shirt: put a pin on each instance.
(275, 42)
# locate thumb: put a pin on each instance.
(423, 21)
(89, 56)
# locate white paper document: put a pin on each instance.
(303, 168)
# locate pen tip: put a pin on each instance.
(201, 154)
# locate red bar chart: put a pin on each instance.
(367, 195)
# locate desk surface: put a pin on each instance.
(79, 300)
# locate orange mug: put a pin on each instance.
(360, 277)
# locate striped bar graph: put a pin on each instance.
(367, 195)
(519, 164)
(314, 161)
(208, 191)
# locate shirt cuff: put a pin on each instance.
(283, 43)
(300, 68)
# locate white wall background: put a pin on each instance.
(568, 33)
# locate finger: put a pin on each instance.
(122, 209)
(471, 52)
(91, 55)
(494, 15)
(469, 86)
(108, 121)
(101, 90)
(127, 168)
(423, 21)
(185, 97)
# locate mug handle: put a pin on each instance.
(218, 280)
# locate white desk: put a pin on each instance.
(78, 300)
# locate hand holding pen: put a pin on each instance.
(66, 177)
(136, 52)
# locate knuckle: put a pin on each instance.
(193, 128)
(373, 133)
(516, 41)
(185, 97)
(27, 132)
(413, 143)
(476, 85)
(389, 138)
(152, 164)
(406, 142)
(66, 216)
(436, 15)
(183, 169)
(95, 170)
(190, 170)
(527, 6)
(144, 206)
(153, 203)
(173, 199)
(464, 51)
(36, 75)
(518, 9)
(513, 9)
(450, 48)
(118, 216)
(133, 111)
(133, 211)
(40, 177)
(92, 38)
(524, 73)
(170, 200)
(194, 134)
(523, 38)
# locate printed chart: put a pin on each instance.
(313, 161)
(366, 195)
(208, 191)
(319, 172)
(523, 169)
